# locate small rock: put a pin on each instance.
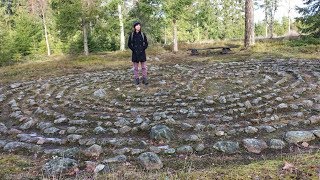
(254, 145)
(299, 136)
(161, 132)
(250, 130)
(150, 161)
(277, 144)
(59, 166)
(199, 147)
(186, 149)
(116, 159)
(228, 147)
(100, 93)
(93, 151)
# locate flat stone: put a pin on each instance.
(20, 146)
(59, 166)
(100, 93)
(254, 145)
(250, 130)
(73, 137)
(161, 132)
(3, 128)
(93, 151)
(99, 130)
(125, 129)
(60, 120)
(316, 133)
(186, 149)
(192, 138)
(51, 130)
(116, 159)
(29, 124)
(228, 147)
(299, 136)
(150, 161)
(78, 122)
(199, 147)
(170, 151)
(277, 144)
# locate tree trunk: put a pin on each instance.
(249, 24)
(266, 20)
(165, 35)
(46, 32)
(175, 36)
(122, 38)
(85, 37)
(289, 20)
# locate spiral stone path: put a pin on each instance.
(252, 106)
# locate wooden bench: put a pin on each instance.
(224, 50)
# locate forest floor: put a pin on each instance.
(251, 114)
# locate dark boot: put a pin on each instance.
(137, 81)
(145, 81)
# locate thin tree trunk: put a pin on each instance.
(289, 11)
(122, 38)
(46, 32)
(175, 36)
(249, 24)
(85, 37)
(266, 20)
(165, 35)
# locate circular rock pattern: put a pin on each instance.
(205, 105)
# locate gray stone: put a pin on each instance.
(122, 151)
(186, 126)
(51, 130)
(29, 124)
(2, 143)
(161, 132)
(186, 149)
(277, 144)
(93, 151)
(316, 133)
(299, 136)
(100, 93)
(78, 122)
(59, 166)
(150, 161)
(192, 138)
(44, 125)
(170, 151)
(228, 147)
(251, 130)
(125, 129)
(122, 122)
(60, 120)
(255, 145)
(99, 130)
(199, 147)
(267, 128)
(116, 159)
(199, 127)
(282, 106)
(73, 137)
(20, 146)
(3, 128)
(222, 99)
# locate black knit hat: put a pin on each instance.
(136, 23)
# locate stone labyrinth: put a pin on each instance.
(254, 106)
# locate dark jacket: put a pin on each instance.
(138, 45)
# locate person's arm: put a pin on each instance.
(145, 41)
(130, 43)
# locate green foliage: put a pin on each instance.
(304, 41)
(311, 17)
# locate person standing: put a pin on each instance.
(138, 44)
